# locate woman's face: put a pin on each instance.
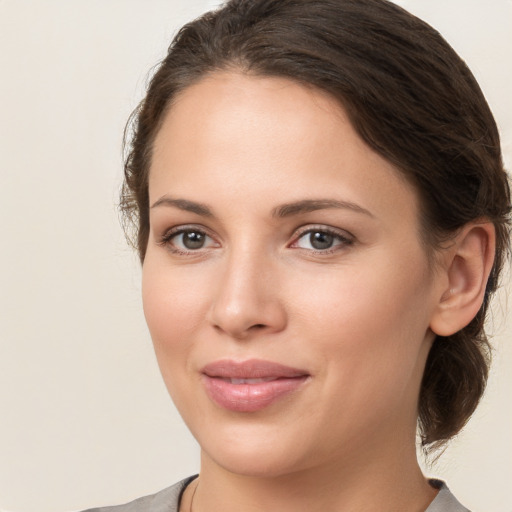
(285, 285)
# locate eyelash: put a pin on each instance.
(167, 238)
(345, 239)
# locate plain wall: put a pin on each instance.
(84, 417)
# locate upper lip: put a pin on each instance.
(251, 369)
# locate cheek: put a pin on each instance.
(373, 315)
(174, 305)
(367, 335)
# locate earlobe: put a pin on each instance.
(468, 265)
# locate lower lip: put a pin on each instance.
(249, 397)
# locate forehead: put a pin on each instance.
(238, 110)
(263, 136)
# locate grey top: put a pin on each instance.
(168, 500)
(445, 501)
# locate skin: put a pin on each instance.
(357, 316)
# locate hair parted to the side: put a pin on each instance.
(411, 99)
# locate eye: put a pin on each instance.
(324, 240)
(185, 240)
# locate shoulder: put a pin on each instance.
(166, 500)
(445, 501)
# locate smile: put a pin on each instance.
(250, 386)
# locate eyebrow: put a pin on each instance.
(311, 205)
(184, 204)
(285, 210)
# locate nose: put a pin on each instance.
(247, 301)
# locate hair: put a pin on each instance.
(408, 95)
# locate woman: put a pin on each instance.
(321, 213)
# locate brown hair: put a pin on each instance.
(408, 95)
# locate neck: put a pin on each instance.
(385, 483)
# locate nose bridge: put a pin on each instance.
(247, 300)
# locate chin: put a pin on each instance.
(249, 455)
(257, 464)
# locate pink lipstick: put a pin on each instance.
(250, 386)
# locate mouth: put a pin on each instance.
(249, 381)
(251, 385)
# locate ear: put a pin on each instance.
(466, 268)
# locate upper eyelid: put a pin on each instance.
(180, 228)
(308, 228)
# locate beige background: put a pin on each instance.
(84, 417)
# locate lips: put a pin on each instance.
(251, 385)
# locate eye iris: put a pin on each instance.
(193, 240)
(321, 240)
